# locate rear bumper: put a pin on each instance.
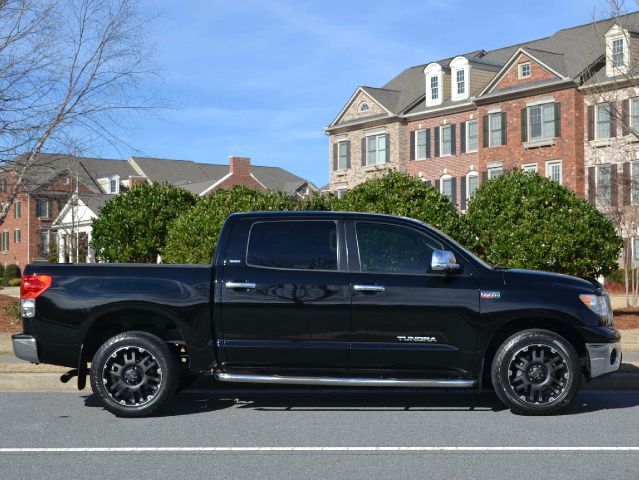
(25, 347)
(604, 358)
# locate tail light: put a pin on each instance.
(33, 286)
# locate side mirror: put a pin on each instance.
(444, 261)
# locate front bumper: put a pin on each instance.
(25, 347)
(604, 358)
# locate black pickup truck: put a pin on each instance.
(320, 298)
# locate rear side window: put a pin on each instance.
(394, 249)
(301, 245)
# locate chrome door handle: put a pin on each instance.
(368, 288)
(248, 285)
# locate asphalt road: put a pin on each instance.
(308, 419)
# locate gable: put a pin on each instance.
(511, 77)
(355, 109)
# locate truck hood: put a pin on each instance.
(519, 277)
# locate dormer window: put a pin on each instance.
(459, 78)
(114, 185)
(461, 84)
(434, 88)
(617, 53)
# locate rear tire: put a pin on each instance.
(536, 372)
(133, 374)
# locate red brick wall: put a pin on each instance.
(433, 168)
(240, 170)
(569, 147)
(537, 73)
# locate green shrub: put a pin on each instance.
(524, 220)
(15, 282)
(11, 271)
(12, 311)
(132, 227)
(1, 271)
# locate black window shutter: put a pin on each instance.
(462, 191)
(437, 185)
(348, 154)
(625, 126)
(524, 125)
(412, 144)
(453, 191)
(387, 148)
(614, 191)
(484, 177)
(428, 143)
(363, 151)
(428, 182)
(462, 137)
(591, 122)
(453, 140)
(613, 121)
(504, 129)
(626, 183)
(557, 119)
(484, 130)
(591, 184)
(437, 141)
(335, 147)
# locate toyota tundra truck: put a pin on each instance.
(320, 298)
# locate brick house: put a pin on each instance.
(64, 193)
(459, 121)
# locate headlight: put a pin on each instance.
(600, 304)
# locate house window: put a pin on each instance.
(524, 70)
(376, 153)
(634, 115)
(634, 183)
(3, 185)
(421, 140)
(342, 155)
(113, 185)
(5, 241)
(434, 87)
(541, 121)
(17, 209)
(16, 235)
(461, 84)
(447, 187)
(604, 185)
(363, 107)
(495, 172)
(603, 120)
(341, 192)
(446, 140)
(472, 183)
(635, 245)
(529, 167)
(44, 243)
(494, 119)
(553, 171)
(471, 136)
(43, 208)
(617, 53)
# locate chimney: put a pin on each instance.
(240, 166)
(136, 180)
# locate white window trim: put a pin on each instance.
(417, 157)
(494, 169)
(596, 121)
(459, 63)
(633, 182)
(363, 107)
(377, 137)
(434, 70)
(471, 174)
(529, 123)
(441, 140)
(597, 199)
(611, 70)
(339, 156)
(48, 209)
(534, 166)
(468, 135)
(490, 129)
(551, 163)
(520, 68)
(442, 179)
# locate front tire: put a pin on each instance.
(536, 372)
(133, 374)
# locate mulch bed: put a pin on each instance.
(7, 323)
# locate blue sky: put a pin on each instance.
(262, 78)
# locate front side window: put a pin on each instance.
(394, 249)
(495, 129)
(421, 144)
(461, 84)
(471, 136)
(16, 235)
(634, 183)
(447, 188)
(297, 245)
(376, 150)
(43, 208)
(446, 140)
(341, 192)
(17, 209)
(524, 70)
(495, 172)
(44, 242)
(636, 251)
(634, 115)
(342, 157)
(5, 241)
(604, 185)
(603, 120)
(541, 121)
(472, 183)
(617, 53)
(434, 87)
(553, 171)
(529, 167)
(3, 185)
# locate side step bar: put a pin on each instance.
(343, 382)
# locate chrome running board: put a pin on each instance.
(343, 382)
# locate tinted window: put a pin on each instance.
(306, 245)
(389, 248)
